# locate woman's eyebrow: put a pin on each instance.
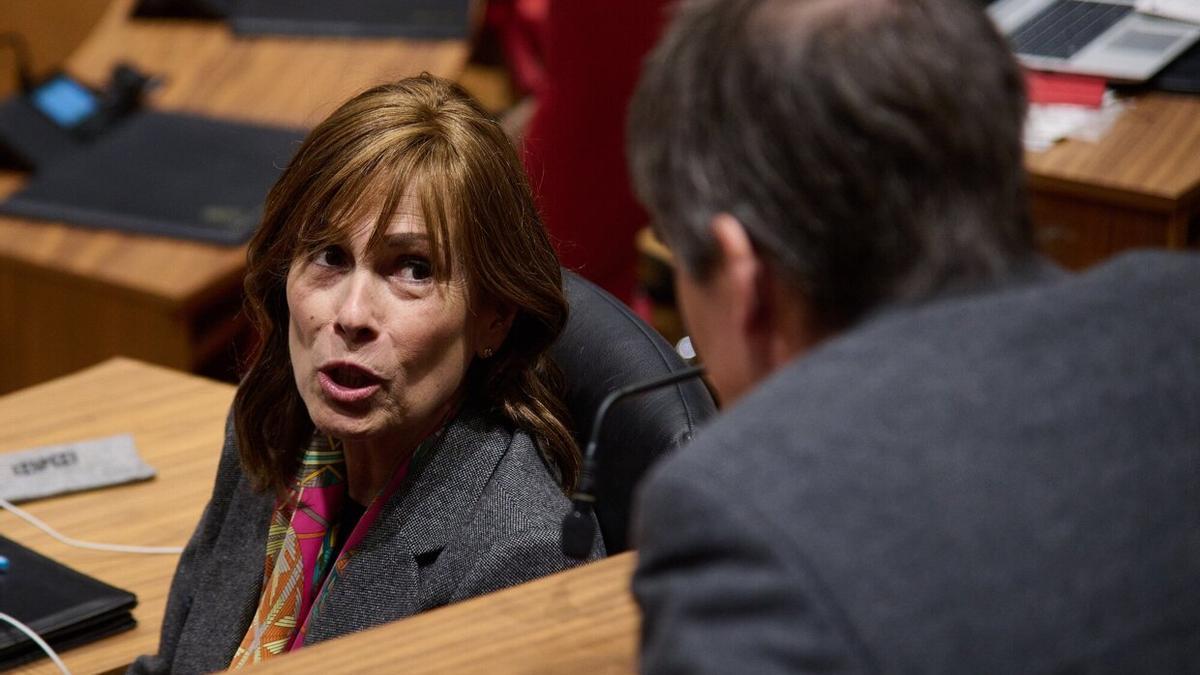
(402, 239)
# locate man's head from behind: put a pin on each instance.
(808, 161)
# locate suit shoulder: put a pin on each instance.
(521, 493)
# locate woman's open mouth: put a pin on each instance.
(348, 383)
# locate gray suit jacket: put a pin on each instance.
(1006, 481)
(479, 514)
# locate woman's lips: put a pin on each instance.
(355, 383)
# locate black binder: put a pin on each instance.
(65, 607)
(164, 173)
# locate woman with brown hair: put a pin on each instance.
(397, 442)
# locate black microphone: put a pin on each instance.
(579, 528)
(121, 96)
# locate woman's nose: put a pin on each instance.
(356, 318)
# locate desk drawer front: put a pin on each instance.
(1078, 234)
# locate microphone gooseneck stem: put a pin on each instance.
(587, 476)
(577, 526)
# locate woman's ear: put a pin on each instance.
(493, 322)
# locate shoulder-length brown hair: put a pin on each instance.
(426, 137)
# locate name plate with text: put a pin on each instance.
(69, 467)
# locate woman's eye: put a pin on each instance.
(414, 269)
(331, 256)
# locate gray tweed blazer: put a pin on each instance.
(480, 513)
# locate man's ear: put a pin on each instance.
(741, 272)
(776, 322)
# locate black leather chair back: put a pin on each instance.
(605, 346)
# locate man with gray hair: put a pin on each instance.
(938, 452)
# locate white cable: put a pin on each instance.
(118, 548)
(37, 639)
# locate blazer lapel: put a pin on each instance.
(382, 581)
(444, 487)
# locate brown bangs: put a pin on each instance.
(370, 182)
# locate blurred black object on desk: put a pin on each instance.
(164, 173)
(421, 19)
(1181, 75)
(183, 9)
(59, 115)
(66, 608)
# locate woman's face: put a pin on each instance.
(378, 347)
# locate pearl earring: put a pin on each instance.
(487, 352)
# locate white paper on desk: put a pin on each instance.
(69, 467)
(1046, 125)
(1183, 10)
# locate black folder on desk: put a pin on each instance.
(164, 173)
(66, 608)
(430, 19)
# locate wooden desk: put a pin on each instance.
(583, 620)
(1138, 186)
(177, 422)
(73, 296)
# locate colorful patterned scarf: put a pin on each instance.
(302, 540)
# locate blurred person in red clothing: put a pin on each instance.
(580, 60)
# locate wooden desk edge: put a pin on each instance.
(589, 603)
(116, 363)
(1112, 195)
(194, 300)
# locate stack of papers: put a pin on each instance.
(1048, 124)
(1067, 106)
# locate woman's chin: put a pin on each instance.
(346, 426)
